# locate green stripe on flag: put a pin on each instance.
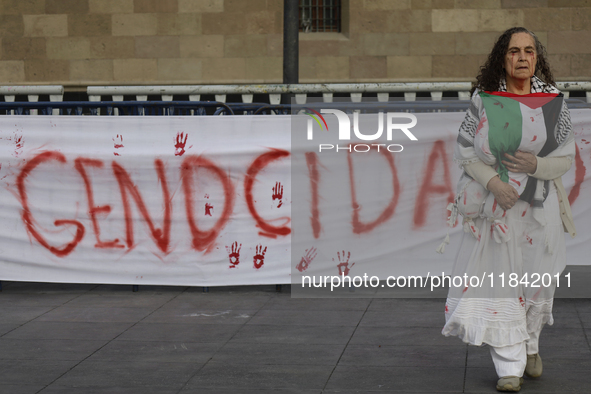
(505, 122)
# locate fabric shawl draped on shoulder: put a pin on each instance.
(501, 122)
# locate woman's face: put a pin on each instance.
(521, 57)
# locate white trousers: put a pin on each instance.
(511, 360)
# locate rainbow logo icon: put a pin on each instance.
(316, 118)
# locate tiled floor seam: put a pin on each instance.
(108, 342)
(465, 371)
(221, 347)
(583, 326)
(346, 345)
(45, 313)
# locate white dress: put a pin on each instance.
(503, 306)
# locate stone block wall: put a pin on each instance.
(95, 42)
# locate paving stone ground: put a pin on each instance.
(73, 338)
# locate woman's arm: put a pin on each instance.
(544, 168)
(552, 167)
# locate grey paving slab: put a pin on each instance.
(213, 333)
(170, 314)
(582, 305)
(7, 327)
(585, 319)
(588, 335)
(255, 391)
(46, 288)
(566, 357)
(147, 289)
(403, 305)
(318, 304)
(402, 336)
(266, 377)
(32, 372)
(121, 300)
(22, 314)
(137, 374)
(53, 389)
(18, 299)
(559, 381)
(278, 354)
(564, 336)
(154, 351)
(404, 356)
(479, 357)
(241, 290)
(307, 318)
(565, 320)
(401, 379)
(47, 349)
(221, 300)
(388, 392)
(252, 333)
(95, 314)
(19, 389)
(565, 305)
(552, 381)
(405, 319)
(71, 330)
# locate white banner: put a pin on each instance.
(206, 200)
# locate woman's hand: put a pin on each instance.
(504, 193)
(521, 162)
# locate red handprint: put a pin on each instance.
(234, 254)
(307, 259)
(180, 144)
(278, 193)
(343, 265)
(208, 208)
(259, 258)
(117, 143)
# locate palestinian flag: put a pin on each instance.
(519, 122)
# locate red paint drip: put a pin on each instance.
(208, 208)
(579, 177)
(268, 235)
(312, 163)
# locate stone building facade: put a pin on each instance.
(78, 43)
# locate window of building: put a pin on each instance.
(320, 16)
